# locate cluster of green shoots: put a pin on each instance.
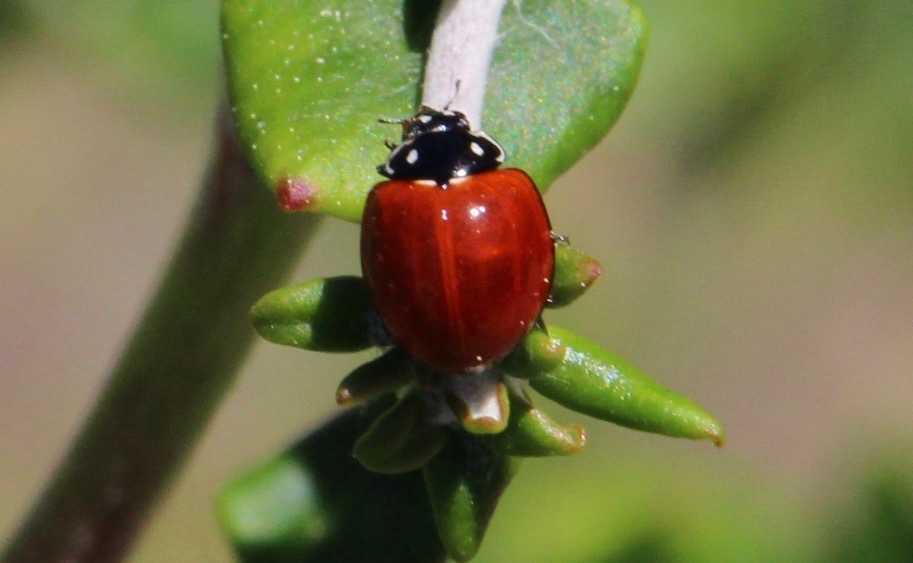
(465, 433)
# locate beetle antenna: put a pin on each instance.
(456, 91)
(562, 239)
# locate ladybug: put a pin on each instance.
(457, 255)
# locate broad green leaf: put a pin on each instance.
(315, 502)
(308, 81)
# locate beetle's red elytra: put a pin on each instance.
(458, 256)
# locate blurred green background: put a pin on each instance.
(753, 210)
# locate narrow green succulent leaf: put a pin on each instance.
(399, 440)
(383, 375)
(316, 503)
(532, 433)
(465, 481)
(308, 81)
(575, 272)
(325, 315)
(537, 354)
(595, 382)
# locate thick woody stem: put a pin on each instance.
(179, 363)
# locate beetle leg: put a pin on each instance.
(378, 333)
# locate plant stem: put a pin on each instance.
(181, 359)
(461, 48)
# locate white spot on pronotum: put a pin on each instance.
(424, 118)
(476, 148)
(412, 156)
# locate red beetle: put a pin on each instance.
(458, 256)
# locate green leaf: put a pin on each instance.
(314, 502)
(308, 81)
(596, 382)
(532, 433)
(326, 315)
(465, 481)
(399, 440)
(383, 375)
(876, 522)
(575, 272)
(537, 354)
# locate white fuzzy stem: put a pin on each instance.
(461, 48)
